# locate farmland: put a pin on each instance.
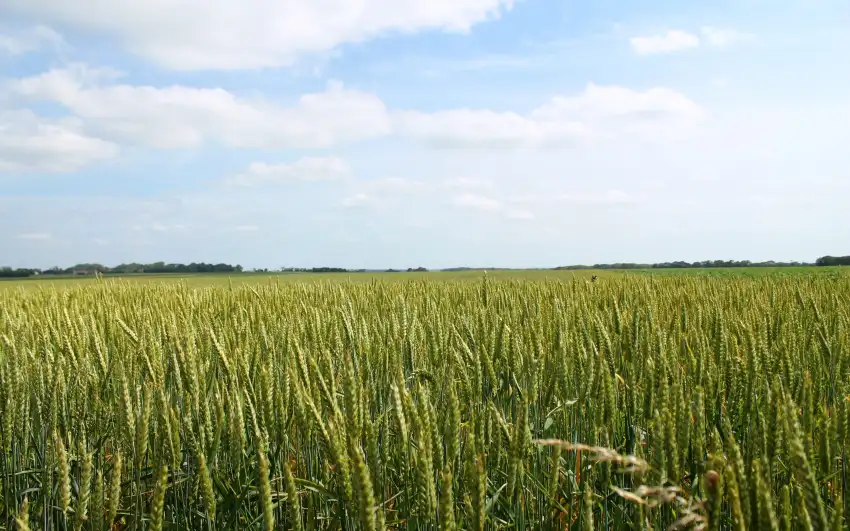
(519, 400)
(253, 279)
(248, 279)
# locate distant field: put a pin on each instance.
(204, 280)
(212, 279)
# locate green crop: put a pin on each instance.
(632, 402)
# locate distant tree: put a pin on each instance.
(680, 264)
(833, 261)
(8, 272)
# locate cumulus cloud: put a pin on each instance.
(22, 41)
(185, 117)
(670, 41)
(304, 169)
(199, 34)
(188, 117)
(679, 40)
(597, 113)
(482, 128)
(30, 143)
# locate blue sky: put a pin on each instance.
(399, 133)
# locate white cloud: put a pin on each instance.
(182, 117)
(677, 205)
(671, 41)
(477, 202)
(304, 169)
(35, 236)
(599, 103)
(721, 37)
(30, 143)
(678, 40)
(19, 42)
(199, 34)
(185, 117)
(598, 113)
(482, 128)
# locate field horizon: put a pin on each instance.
(217, 279)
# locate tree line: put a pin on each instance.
(707, 264)
(121, 269)
(833, 261)
(202, 267)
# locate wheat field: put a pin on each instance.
(634, 402)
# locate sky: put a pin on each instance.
(438, 133)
